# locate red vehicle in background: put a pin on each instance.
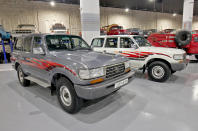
(113, 29)
(182, 39)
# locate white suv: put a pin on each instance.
(160, 62)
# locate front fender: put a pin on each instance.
(154, 57)
(66, 72)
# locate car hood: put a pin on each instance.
(162, 50)
(89, 59)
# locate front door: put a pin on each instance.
(38, 58)
(129, 49)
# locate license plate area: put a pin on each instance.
(121, 83)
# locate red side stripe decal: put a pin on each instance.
(45, 65)
(141, 54)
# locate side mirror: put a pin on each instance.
(134, 46)
(38, 51)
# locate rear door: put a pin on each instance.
(26, 55)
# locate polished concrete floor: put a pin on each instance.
(142, 105)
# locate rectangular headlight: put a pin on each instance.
(178, 57)
(84, 74)
(93, 73)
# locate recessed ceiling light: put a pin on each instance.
(127, 10)
(52, 3)
(151, 0)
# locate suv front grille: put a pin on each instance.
(115, 70)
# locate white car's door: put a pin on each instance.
(128, 48)
(111, 45)
(97, 44)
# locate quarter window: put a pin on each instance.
(98, 42)
(126, 43)
(18, 44)
(27, 44)
(112, 43)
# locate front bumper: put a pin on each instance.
(99, 90)
(179, 66)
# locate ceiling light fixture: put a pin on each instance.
(127, 10)
(174, 14)
(52, 3)
(151, 0)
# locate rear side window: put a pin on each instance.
(27, 44)
(112, 43)
(37, 42)
(98, 42)
(18, 45)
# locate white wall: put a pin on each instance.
(14, 12)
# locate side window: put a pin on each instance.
(37, 45)
(111, 43)
(37, 42)
(98, 42)
(27, 44)
(18, 44)
(126, 42)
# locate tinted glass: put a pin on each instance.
(65, 42)
(112, 43)
(126, 43)
(141, 41)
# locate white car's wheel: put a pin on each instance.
(159, 71)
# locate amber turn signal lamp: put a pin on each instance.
(96, 81)
(128, 70)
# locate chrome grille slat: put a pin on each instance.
(115, 70)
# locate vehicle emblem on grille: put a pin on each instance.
(116, 69)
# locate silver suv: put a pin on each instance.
(67, 65)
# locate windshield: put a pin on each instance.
(65, 42)
(141, 41)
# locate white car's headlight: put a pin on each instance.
(178, 57)
(93, 73)
(127, 64)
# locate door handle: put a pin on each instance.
(104, 51)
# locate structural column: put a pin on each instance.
(188, 15)
(90, 19)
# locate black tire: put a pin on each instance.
(183, 38)
(21, 77)
(66, 89)
(172, 72)
(196, 56)
(159, 71)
